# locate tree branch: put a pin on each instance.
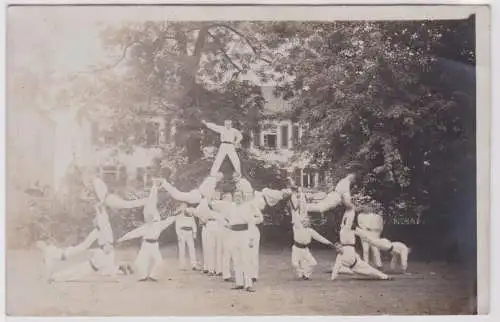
(113, 65)
(239, 33)
(224, 53)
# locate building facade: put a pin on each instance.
(276, 140)
(99, 150)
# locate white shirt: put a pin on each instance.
(185, 221)
(346, 236)
(371, 221)
(234, 214)
(226, 135)
(205, 214)
(244, 186)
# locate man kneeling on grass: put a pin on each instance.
(302, 259)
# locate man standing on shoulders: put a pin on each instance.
(230, 138)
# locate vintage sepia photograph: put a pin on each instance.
(246, 161)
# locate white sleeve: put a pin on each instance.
(316, 236)
(214, 127)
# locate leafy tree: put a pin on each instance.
(376, 93)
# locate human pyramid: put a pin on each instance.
(229, 227)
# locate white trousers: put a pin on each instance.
(254, 252)
(332, 200)
(303, 261)
(225, 251)
(185, 238)
(204, 247)
(240, 253)
(360, 267)
(369, 249)
(226, 149)
(380, 243)
(219, 248)
(401, 259)
(148, 259)
(102, 263)
(211, 230)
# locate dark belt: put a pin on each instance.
(239, 227)
(354, 264)
(211, 219)
(227, 142)
(187, 228)
(93, 266)
(299, 245)
(151, 241)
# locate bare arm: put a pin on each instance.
(316, 236)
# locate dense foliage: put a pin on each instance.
(386, 95)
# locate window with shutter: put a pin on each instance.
(153, 134)
(309, 178)
(256, 137)
(295, 135)
(270, 141)
(284, 136)
(296, 177)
